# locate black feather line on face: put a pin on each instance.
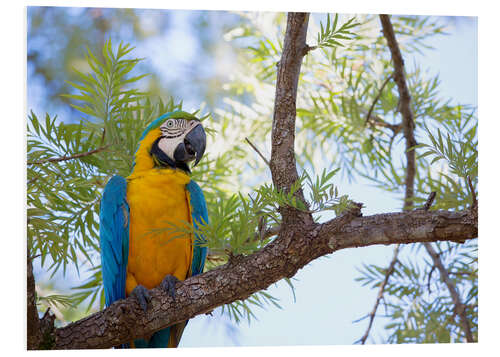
(162, 160)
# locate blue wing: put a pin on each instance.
(199, 215)
(114, 234)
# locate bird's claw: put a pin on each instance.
(168, 285)
(142, 295)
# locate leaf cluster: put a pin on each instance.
(330, 35)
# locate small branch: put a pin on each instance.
(395, 128)
(472, 192)
(429, 202)
(455, 296)
(307, 49)
(377, 98)
(257, 150)
(380, 294)
(66, 158)
(33, 180)
(103, 136)
(405, 109)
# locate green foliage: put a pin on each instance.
(242, 309)
(329, 35)
(417, 305)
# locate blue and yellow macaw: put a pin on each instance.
(158, 193)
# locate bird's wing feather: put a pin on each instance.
(114, 238)
(199, 215)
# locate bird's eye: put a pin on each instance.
(170, 123)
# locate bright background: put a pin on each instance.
(327, 297)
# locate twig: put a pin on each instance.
(395, 128)
(258, 152)
(308, 48)
(429, 202)
(33, 180)
(377, 98)
(380, 294)
(455, 296)
(472, 192)
(103, 136)
(66, 158)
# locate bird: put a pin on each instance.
(138, 250)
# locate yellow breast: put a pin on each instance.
(158, 200)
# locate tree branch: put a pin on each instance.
(408, 127)
(283, 164)
(124, 320)
(257, 151)
(66, 158)
(404, 107)
(455, 296)
(408, 132)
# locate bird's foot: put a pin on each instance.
(142, 295)
(168, 285)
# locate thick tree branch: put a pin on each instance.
(455, 296)
(124, 320)
(283, 164)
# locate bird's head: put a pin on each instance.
(172, 140)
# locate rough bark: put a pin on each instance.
(40, 332)
(33, 323)
(283, 164)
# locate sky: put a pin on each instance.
(328, 299)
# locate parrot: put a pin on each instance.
(137, 252)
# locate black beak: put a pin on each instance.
(194, 146)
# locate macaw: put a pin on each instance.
(138, 252)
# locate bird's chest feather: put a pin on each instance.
(158, 202)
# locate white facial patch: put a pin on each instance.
(173, 133)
